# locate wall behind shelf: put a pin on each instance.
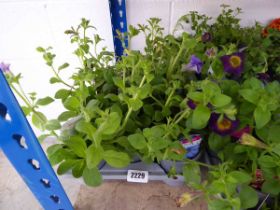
(170, 11)
(26, 24)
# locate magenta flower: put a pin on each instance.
(195, 65)
(234, 63)
(206, 37)
(5, 67)
(224, 126)
(238, 133)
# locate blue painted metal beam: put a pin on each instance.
(23, 150)
(119, 23)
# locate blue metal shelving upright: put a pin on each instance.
(23, 150)
(119, 24)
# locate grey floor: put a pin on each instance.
(111, 195)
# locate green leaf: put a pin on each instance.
(135, 103)
(60, 155)
(220, 100)
(267, 161)
(54, 80)
(92, 177)
(78, 168)
(217, 142)
(176, 151)
(137, 141)
(86, 128)
(248, 197)
(276, 149)
(273, 133)
(271, 186)
(66, 115)
(158, 143)
(77, 145)
(239, 177)
(118, 82)
(217, 186)
(44, 101)
(219, 204)
(262, 117)
(191, 172)
(26, 110)
(93, 156)
(196, 96)
(52, 125)
(144, 91)
(62, 94)
(52, 149)
(250, 95)
(111, 124)
(65, 166)
(63, 66)
(39, 120)
(116, 159)
(200, 117)
(40, 49)
(72, 103)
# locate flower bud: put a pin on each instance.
(249, 140)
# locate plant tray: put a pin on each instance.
(157, 172)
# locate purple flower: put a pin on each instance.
(210, 52)
(192, 104)
(206, 37)
(234, 63)
(223, 126)
(5, 67)
(264, 77)
(195, 65)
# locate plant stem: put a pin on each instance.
(21, 96)
(171, 66)
(200, 163)
(130, 109)
(187, 111)
(169, 97)
(59, 78)
(27, 102)
(156, 100)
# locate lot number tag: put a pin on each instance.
(137, 176)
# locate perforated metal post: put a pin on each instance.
(119, 23)
(22, 148)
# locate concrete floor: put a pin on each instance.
(113, 195)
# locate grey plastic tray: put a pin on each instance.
(157, 172)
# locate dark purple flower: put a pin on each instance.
(191, 104)
(206, 37)
(238, 133)
(264, 77)
(5, 67)
(210, 52)
(195, 65)
(234, 63)
(223, 126)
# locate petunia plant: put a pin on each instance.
(115, 112)
(235, 105)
